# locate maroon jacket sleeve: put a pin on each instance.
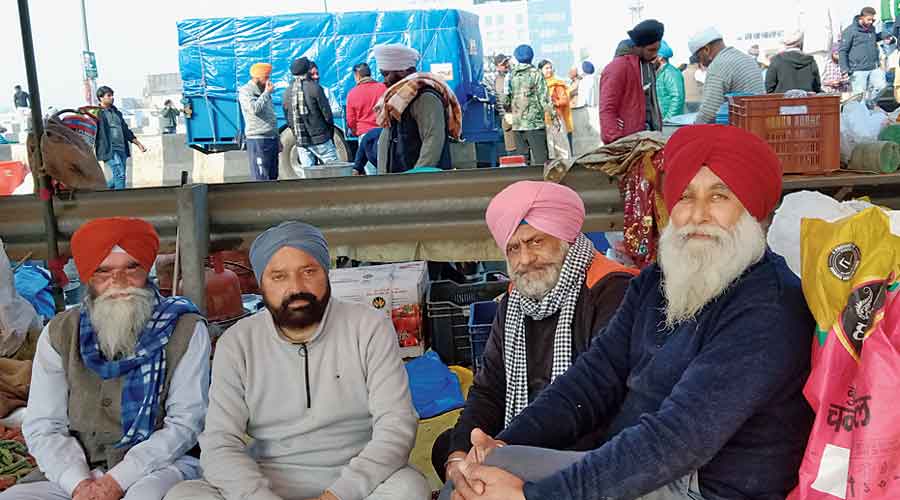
(612, 85)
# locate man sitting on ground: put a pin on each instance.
(702, 368)
(565, 293)
(309, 397)
(119, 384)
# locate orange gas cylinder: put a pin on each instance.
(239, 262)
(223, 291)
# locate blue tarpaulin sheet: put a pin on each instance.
(216, 54)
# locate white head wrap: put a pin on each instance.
(395, 57)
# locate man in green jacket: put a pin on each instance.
(669, 84)
(529, 107)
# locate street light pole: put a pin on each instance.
(326, 5)
(90, 81)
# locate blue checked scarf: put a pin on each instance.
(144, 372)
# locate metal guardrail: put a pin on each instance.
(354, 211)
(351, 211)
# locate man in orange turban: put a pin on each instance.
(698, 377)
(260, 123)
(119, 384)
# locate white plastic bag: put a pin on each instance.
(784, 233)
(859, 126)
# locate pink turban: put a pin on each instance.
(548, 207)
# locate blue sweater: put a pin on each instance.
(722, 395)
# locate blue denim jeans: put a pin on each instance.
(870, 82)
(325, 152)
(116, 165)
(367, 152)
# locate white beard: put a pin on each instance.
(537, 284)
(698, 271)
(118, 322)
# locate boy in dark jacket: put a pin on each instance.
(792, 69)
(308, 113)
(114, 138)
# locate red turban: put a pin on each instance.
(744, 162)
(548, 207)
(94, 241)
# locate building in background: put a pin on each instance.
(503, 25)
(550, 25)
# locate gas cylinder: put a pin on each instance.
(223, 291)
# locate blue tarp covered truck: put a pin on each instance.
(216, 55)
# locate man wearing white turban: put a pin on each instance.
(418, 113)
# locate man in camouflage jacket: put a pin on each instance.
(529, 106)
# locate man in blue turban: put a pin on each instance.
(669, 84)
(316, 382)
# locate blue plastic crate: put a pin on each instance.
(448, 307)
(481, 317)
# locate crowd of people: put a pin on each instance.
(404, 124)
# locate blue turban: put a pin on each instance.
(299, 235)
(524, 54)
(587, 67)
(665, 51)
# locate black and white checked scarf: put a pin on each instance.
(562, 298)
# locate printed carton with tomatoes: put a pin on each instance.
(397, 290)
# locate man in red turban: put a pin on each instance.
(698, 376)
(119, 384)
(564, 294)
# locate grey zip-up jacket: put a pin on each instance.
(259, 112)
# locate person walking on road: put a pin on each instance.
(361, 117)
(114, 138)
(792, 69)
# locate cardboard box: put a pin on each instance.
(397, 290)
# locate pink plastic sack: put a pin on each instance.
(854, 387)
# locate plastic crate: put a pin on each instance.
(805, 132)
(447, 310)
(481, 318)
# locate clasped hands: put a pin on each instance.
(473, 480)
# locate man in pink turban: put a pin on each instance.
(563, 294)
(698, 378)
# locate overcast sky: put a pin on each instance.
(135, 38)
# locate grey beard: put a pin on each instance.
(538, 287)
(118, 322)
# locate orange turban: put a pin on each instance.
(94, 241)
(260, 70)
